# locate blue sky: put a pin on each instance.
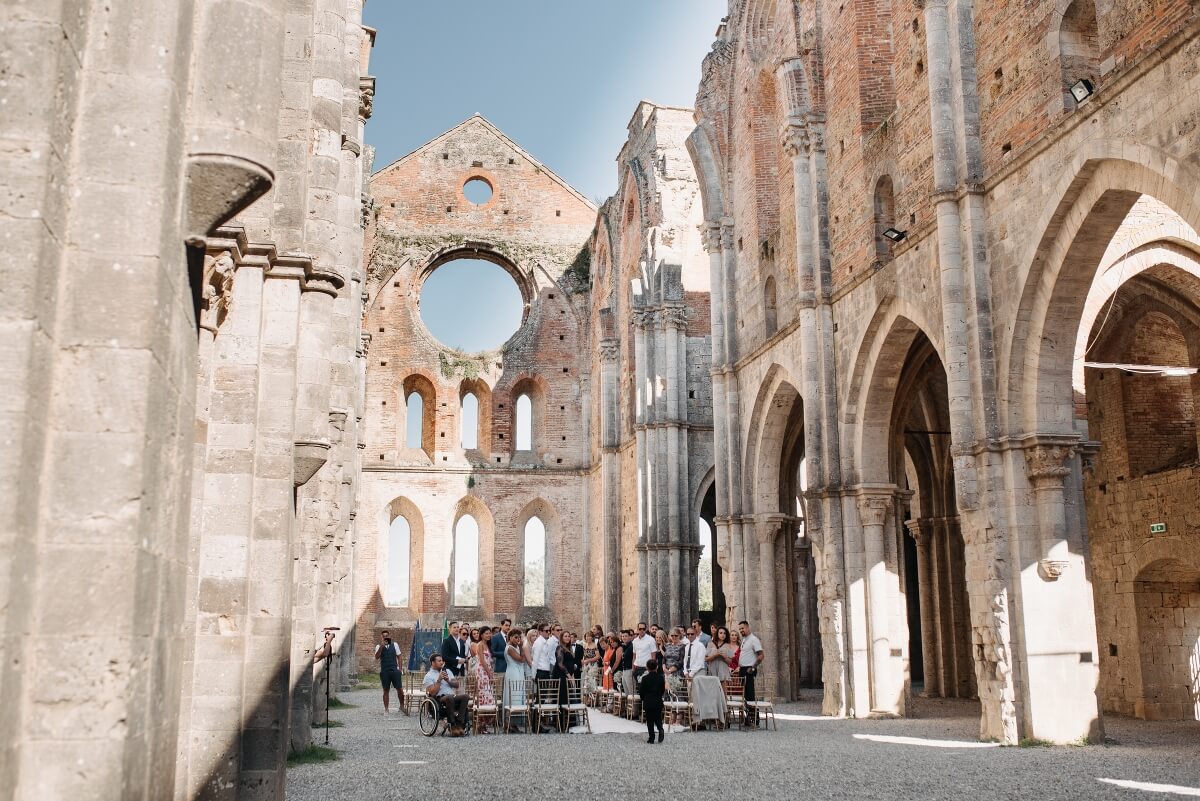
(561, 77)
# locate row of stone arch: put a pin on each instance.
(465, 567)
(479, 416)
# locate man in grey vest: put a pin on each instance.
(387, 652)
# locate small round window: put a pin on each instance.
(478, 191)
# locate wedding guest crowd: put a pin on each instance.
(647, 661)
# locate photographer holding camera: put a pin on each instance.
(387, 652)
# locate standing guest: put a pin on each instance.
(644, 647)
(598, 633)
(654, 630)
(672, 660)
(484, 645)
(652, 688)
(697, 628)
(543, 654)
(577, 652)
(464, 648)
(531, 637)
(484, 680)
(712, 629)
(720, 655)
(453, 652)
(514, 676)
(442, 685)
(608, 667)
(564, 664)
(387, 654)
(749, 658)
(660, 642)
(499, 647)
(590, 663)
(735, 640)
(625, 663)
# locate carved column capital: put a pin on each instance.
(1047, 464)
(794, 136)
(366, 97)
(711, 237)
(644, 318)
(921, 530)
(874, 509)
(727, 237)
(674, 317)
(610, 349)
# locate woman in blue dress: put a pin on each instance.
(514, 677)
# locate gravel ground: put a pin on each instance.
(808, 758)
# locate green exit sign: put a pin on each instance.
(1158, 528)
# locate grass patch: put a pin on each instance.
(1034, 742)
(312, 755)
(338, 703)
(333, 724)
(368, 681)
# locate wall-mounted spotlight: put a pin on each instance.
(894, 235)
(1082, 89)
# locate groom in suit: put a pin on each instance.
(497, 645)
(454, 651)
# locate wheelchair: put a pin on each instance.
(432, 721)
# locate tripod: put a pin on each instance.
(327, 655)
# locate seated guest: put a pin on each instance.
(695, 655)
(441, 685)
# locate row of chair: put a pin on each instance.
(681, 708)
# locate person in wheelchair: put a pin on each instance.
(441, 686)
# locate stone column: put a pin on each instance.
(921, 531)
(873, 511)
(610, 490)
(741, 565)
(643, 411)
(766, 622)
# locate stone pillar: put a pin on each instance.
(766, 622)
(921, 531)
(610, 522)
(643, 411)
(873, 511)
(948, 606)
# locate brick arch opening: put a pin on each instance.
(420, 404)
(387, 558)
(1166, 596)
(478, 390)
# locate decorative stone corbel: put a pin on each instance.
(309, 456)
(217, 187)
(218, 286)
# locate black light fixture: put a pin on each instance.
(1082, 89)
(895, 235)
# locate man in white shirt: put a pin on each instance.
(694, 654)
(543, 653)
(749, 658)
(644, 647)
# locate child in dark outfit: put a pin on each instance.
(652, 687)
